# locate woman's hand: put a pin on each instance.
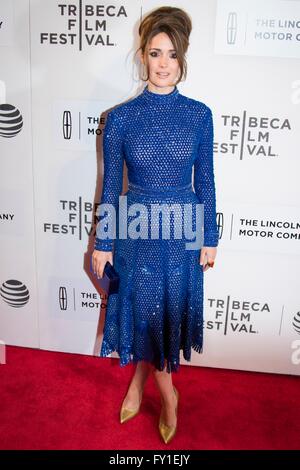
(207, 258)
(99, 259)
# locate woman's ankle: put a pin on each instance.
(136, 387)
(169, 400)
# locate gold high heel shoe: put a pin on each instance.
(127, 413)
(168, 432)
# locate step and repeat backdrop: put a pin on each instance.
(63, 65)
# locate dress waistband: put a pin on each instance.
(171, 190)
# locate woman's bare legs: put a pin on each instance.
(164, 383)
(137, 384)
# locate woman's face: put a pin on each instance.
(162, 61)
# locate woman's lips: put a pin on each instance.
(163, 75)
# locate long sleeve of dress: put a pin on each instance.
(113, 159)
(204, 182)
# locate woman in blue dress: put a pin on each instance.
(163, 136)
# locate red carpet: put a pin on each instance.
(55, 400)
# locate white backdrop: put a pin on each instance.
(69, 62)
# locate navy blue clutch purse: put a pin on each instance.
(110, 280)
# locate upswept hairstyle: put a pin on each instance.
(177, 24)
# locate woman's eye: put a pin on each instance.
(155, 54)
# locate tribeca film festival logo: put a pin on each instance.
(85, 24)
(178, 221)
(235, 316)
(251, 136)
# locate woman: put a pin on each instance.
(162, 135)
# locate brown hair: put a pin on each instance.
(177, 24)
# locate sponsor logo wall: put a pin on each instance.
(63, 66)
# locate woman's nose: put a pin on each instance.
(163, 61)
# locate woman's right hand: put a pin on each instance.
(99, 259)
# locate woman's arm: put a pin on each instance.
(204, 182)
(112, 180)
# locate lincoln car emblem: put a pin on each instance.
(231, 28)
(63, 301)
(67, 124)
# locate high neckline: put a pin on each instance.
(160, 97)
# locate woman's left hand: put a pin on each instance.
(207, 258)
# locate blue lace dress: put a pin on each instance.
(164, 139)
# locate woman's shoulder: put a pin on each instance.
(196, 109)
(121, 115)
(123, 110)
(195, 104)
